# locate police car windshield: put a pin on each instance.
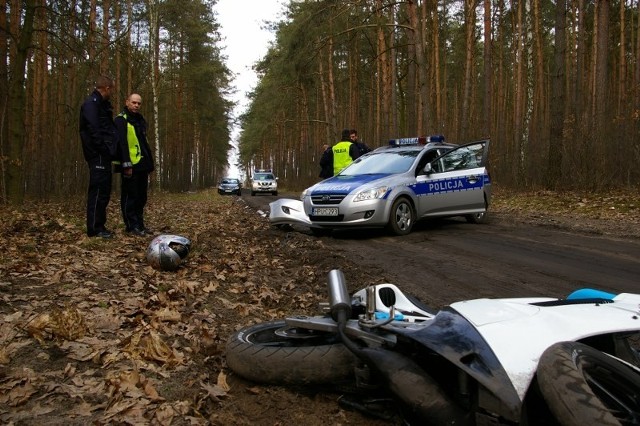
(385, 162)
(263, 177)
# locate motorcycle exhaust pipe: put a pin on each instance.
(339, 300)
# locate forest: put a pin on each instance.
(554, 85)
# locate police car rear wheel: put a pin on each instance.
(401, 218)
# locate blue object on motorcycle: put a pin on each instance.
(589, 293)
(385, 315)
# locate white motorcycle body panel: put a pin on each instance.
(518, 332)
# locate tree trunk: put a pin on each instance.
(622, 66)
(601, 73)
(411, 91)
(104, 56)
(154, 47)
(420, 66)
(16, 115)
(4, 95)
(488, 72)
(470, 31)
(556, 139)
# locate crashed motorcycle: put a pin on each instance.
(512, 361)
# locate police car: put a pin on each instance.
(263, 180)
(395, 186)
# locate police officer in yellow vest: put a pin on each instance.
(344, 152)
(136, 162)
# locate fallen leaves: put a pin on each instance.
(90, 332)
(63, 323)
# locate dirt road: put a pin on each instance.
(443, 261)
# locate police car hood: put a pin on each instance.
(344, 185)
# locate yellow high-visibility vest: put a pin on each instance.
(135, 153)
(341, 157)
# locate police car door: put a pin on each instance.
(453, 184)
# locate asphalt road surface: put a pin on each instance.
(443, 261)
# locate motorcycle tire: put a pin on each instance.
(584, 386)
(258, 354)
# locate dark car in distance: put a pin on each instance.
(230, 186)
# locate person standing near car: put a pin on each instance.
(99, 145)
(344, 152)
(326, 162)
(135, 164)
(362, 147)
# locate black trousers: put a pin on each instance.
(98, 196)
(133, 198)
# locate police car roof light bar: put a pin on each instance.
(435, 138)
(421, 140)
(408, 141)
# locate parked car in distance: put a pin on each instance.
(230, 186)
(263, 180)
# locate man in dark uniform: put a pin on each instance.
(326, 162)
(362, 147)
(136, 162)
(99, 144)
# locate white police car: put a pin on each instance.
(394, 186)
(263, 180)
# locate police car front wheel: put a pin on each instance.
(402, 217)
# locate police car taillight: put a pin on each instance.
(421, 140)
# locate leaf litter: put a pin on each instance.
(91, 334)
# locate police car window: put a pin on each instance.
(388, 162)
(463, 158)
(427, 158)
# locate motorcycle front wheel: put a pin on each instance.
(274, 353)
(583, 385)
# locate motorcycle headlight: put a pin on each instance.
(371, 194)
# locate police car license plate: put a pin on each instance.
(325, 211)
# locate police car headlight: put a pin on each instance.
(371, 194)
(303, 194)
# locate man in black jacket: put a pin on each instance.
(326, 162)
(362, 147)
(136, 162)
(99, 144)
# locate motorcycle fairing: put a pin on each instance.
(453, 337)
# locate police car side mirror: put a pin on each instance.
(428, 169)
